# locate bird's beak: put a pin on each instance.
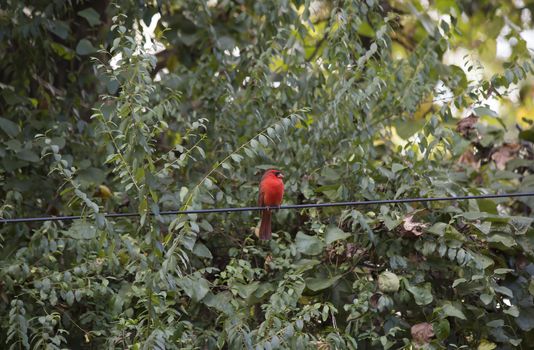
(281, 176)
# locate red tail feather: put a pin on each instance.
(265, 225)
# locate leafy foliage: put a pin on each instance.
(117, 109)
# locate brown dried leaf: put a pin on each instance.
(422, 333)
(468, 158)
(373, 301)
(521, 262)
(466, 125)
(416, 258)
(412, 228)
(342, 252)
(354, 250)
(322, 345)
(268, 261)
(505, 153)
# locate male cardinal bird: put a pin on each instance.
(271, 193)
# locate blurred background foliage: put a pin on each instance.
(134, 106)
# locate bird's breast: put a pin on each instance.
(273, 192)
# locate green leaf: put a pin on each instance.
(91, 176)
(495, 323)
(504, 290)
(236, 157)
(474, 215)
(69, 297)
(59, 28)
(28, 155)
(305, 264)
(396, 167)
(263, 289)
(453, 311)
(444, 6)
(226, 43)
(442, 329)
(521, 224)
(246, 290)
(408, 128)
(85, 47)
(333, 233)
(484, 227)
(220, 301)
(505, 240)
(483, 111)
(525, 320)
(527, 135)
(486, 298)
(388, 282)
(112, 86)
(82, 230)
(390, 223)
(402, 189)
(509, 75)
(309, 245)
(482, 261)
(515, 342)
(195, 287)
(45, 284)
(512, 311)
(202, 251)
(92, 17)
(458, 281)
(263, 140)
(330, 175)
(460, 77)
(453, 234)
(9, 127)
(428, 248)
(438, 228)
(487, 205)
(63, 51)
(320, 283)
(422, 294)
(425, 20)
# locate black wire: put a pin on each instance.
(294, 206)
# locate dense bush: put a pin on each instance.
(353, 100)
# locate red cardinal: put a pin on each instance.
(271, 193)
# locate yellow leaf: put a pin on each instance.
(277, 65)
(424, 107)
(305, 300)
(524, 113)
(104, 191)
(486, 345)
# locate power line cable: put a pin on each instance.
(283, 207)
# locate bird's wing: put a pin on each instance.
(260, 198)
